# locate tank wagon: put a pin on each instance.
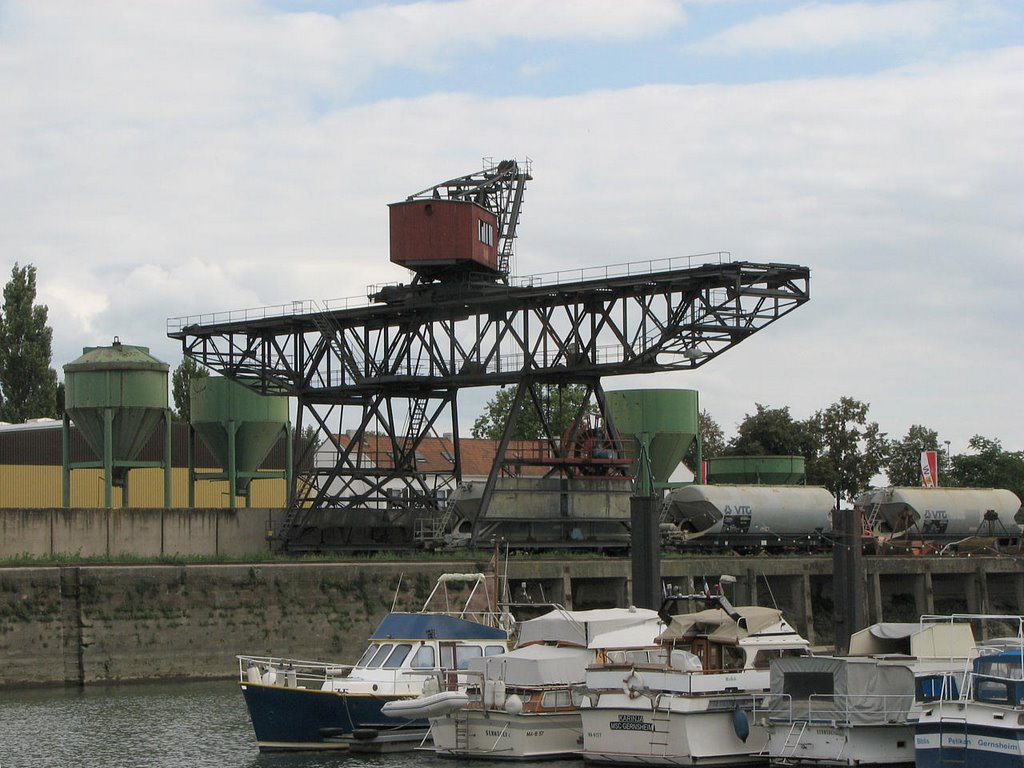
(749, 517)
(943, 515)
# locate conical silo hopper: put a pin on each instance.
(116, 396)
(665, 420)
(239, 426)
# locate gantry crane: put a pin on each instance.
(376, 378)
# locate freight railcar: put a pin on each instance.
(945, 516)
(750, 517)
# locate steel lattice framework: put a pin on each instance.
(396, 363)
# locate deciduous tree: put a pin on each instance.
(181, 386)
(559, 404)
(903, 466)
(850, 449)
(28, 385)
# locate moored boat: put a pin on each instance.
(690, 701)
(985, 725)
(308, 705)
(526, 703)
(861, 708)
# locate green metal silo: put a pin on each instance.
(116, 396)
(661, 421)
(240, 427)
(757, 470)
(658, 427)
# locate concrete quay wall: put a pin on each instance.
(92, 624)
(142, 532)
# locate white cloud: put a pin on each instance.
(831, 25)
(147, 176)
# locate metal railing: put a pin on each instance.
(318, 306)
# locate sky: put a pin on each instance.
(163, 159)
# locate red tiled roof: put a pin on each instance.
(436, 454)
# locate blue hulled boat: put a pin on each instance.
(985, 726)
(303, 705)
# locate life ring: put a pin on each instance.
(632, 684)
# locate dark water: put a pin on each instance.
(182, 725)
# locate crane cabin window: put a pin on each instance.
(486, 232)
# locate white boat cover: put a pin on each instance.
(860, 691)
(719, 626)
(535, 665)
(641, 635)
(941, 639)
(579, 627)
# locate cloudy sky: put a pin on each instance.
(170, 158)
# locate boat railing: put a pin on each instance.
(294, 673)
(839, 709)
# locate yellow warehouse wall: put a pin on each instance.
(40, 487)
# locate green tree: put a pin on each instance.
(712, 439)
(560, 404)
(903, 466)
(988, 466)
(181, 386)
(769, 432)
(849, 450)
(28, 385)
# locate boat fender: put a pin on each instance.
(333, 733)
(514, 705)
(488, 686)
(633, 684)
(291, 678)
(499, 694)
(252, 674)
(431, 686)
(740, 724)
(364, 734)
(270, 677)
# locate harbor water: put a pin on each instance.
(167, 725)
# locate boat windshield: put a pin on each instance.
(424, 658)
(397, 656)
(378, 658)
(367, 655)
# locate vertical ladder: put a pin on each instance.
(946, 755)
(661, 717)
(794, 739)
(461, 733)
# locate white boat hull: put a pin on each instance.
(827, 745)
(682, 731)
(503, 736)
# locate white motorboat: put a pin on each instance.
(861, 708)
(526, 702)
(690, 701)
(985, 725)
(311, 705)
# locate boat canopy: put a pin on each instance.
(857, 691)
(433, 626)
(560, 626)
(719, 626)
(536, 665)
(938, 640)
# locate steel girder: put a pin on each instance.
(433, 338)
(403, 357)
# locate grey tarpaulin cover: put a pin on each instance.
(860, 691)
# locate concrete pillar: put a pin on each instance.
(984, 605)
(567, 589)
(929, 593)
(875, 598)
(805, 584)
